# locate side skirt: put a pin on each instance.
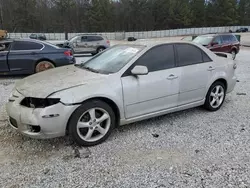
(160, 113)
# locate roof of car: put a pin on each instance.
(27, 39)
(215, 34)
(155, 43)
(6, 41)
(152, 43)
(89, 34)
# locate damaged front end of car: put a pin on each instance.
(32, 102)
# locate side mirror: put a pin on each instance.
(214, 43)
(139, 70)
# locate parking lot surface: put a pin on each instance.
(192, 148)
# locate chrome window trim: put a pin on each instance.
(29, 50)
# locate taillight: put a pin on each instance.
(68, 53)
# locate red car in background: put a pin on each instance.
(227, 43)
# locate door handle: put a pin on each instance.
(172, 77)
(210, 68)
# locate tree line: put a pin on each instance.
(119, 15)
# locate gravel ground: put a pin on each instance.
(192, 148)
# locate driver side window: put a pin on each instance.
(158, 58)
(217, 40)
(84, 39)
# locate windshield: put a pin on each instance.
(203, 40)
(112, 59)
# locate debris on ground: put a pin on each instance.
(46, 171)
(241, 94)
(77, 153)
(197, 151)
(155, 135)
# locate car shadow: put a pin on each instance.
(12, 77)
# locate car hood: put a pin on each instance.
(43, 84)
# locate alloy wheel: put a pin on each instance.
(100, 50)
(93, 125)
(217, 96)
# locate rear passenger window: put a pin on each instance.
(226, 38)
(26, 45)
(158, 58)
(233, 38)
(94, 38)
(188, 54)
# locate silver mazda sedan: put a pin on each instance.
(123, 84)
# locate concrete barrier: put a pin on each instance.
(141, 34)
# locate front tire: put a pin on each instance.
(215, 96)
(91, 123)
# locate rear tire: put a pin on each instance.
(100, 49)
(215, 96)
(91, 123)
(43, 66)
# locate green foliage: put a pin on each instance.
(119, 15)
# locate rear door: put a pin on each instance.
(226, 43)
(196, 71)
(23, 56)
(3, 58)
(94, 42)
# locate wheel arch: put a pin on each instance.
(43, 59)
(222, 80)
(110, 102)
(234, 49)
(101, 46)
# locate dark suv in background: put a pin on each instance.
(38, 36)
(227, 43)
(242, 30)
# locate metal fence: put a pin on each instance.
(141, 34)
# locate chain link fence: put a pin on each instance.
(141, 34)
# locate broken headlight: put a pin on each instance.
(31, 102)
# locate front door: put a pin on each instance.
(196, 70)
(216, 44)
(3, 61)
(156, 91)
(82, 45)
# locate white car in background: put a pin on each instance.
(123, 84)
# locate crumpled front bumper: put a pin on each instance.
(41, 123)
